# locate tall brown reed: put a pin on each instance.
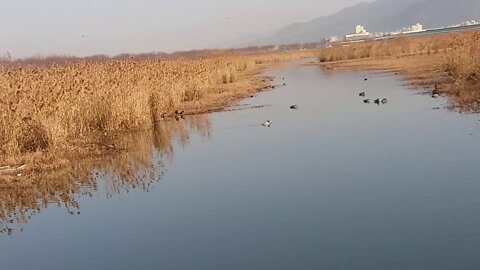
(43, 108)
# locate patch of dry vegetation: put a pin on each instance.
(450, 60)
(48, 109)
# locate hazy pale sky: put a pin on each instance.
(86, 27)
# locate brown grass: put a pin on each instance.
(46, 109)
(74, 123)
(450, 60)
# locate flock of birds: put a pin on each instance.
(293, 107)
(363, 94)
(376, 101)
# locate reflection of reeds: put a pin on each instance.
(138, 168)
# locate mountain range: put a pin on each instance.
(378, 16)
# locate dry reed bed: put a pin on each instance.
(46, 108)
(61, 120)
(451, 60)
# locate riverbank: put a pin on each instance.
(446, 65)
(52, 116)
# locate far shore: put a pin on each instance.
(447, 64)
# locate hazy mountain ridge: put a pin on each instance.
(379, 16)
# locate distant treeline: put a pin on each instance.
(49, 60)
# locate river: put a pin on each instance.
(335, 184)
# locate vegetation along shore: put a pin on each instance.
(447, 64)
(62, 112)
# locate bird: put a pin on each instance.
(267, 123)
(377, 101)
(384, 101)
(362, 94)
(179, 112)
(294, 107)
(284, 84)
(435, 92)
(366, 100)
(366, 79)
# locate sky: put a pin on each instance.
(87, 27)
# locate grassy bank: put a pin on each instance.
(452, 61)
(53, 109)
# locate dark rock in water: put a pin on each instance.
(294, 107)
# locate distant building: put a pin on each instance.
(469, 23)
(360, 34)
(413, 29)
(332, 39)
(7, 56)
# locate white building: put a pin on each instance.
(333, 39)
(469, 23)
(413, 29)
(360, 33)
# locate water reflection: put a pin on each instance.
(138, 166)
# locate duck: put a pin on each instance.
(179, 112)
(366, 79)
(294, 107)
(366, 100)
(267, 123)
(384, 101)
(377, 101)
(435, 92)
(362, 94)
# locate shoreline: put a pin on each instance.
(100, 145)
(425, 72)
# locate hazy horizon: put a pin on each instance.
(113, 27)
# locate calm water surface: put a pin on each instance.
(336, 184)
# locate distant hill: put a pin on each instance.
(379, 16)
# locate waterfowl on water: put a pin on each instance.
(362, 94)
(294, 107)
(284, 84)
(366, 100)
(384, 101)
(435, 92)
(267, 123)
(179, 112)
(366, 79)
(377, 101)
